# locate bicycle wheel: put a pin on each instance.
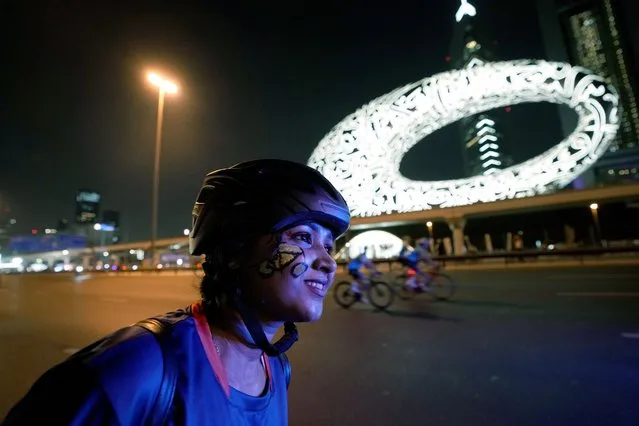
(442, 287)
(343, 294)
(399, 286)
(381, 295)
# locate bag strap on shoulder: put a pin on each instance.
(286, 366)
(164, 399)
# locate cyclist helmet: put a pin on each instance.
(424, 242)
(256, 198)
(263, 196)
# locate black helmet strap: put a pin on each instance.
(256, 331)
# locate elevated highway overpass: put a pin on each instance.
(455, 216)
(84, 255)
(566, 198)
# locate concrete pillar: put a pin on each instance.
(489, 243)
(147, 262)
(448, 246)
(86, 261)
(509, 241)
(457, 227)
(569, 233)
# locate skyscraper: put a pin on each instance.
(87, 206)
(7, 221)
(482, 143)
(589, 33)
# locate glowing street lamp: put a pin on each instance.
(164, 86)
(429, 225)
(594, 209)
(186, 232)
(465, 9)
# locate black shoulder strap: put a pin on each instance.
(164, 399)
(286, 366)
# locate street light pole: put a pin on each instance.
(431, 237)
(164, 87)
(594, 208)
(156, 177)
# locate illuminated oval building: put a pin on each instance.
(361, 155)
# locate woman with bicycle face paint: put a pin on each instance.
(297, 269)
(265, 229)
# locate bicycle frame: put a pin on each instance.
(431, 273)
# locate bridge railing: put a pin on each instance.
(524, 257)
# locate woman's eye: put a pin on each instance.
(303, 236)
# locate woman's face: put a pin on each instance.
(286, 277)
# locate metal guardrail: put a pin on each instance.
(580, 254)
(497, 258)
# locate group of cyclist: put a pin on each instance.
(410, 257)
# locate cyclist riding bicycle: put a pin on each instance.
(360, 282)
(412, 259)
(405, 251)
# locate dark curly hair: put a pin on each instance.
(215, 285)
(221, 272)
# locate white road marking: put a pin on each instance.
(599, 294)
(630, 335)
(591, 277)
(82, 278)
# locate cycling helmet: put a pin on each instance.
(263, 196)
(423, 242)
(259, 197)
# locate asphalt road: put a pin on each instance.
(530, 347)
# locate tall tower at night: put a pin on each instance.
(590, 33)
(482, 142)
(7, 222)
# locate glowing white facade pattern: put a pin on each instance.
(465, 9)
(361, 155)
(486, 139)
(377, 244)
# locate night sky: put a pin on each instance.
(255, 82)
